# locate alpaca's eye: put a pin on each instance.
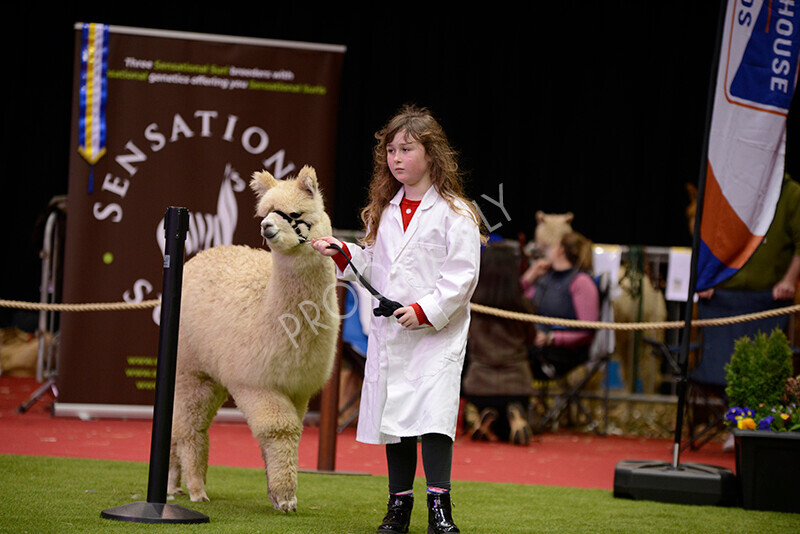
(295, 215)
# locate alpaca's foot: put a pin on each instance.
(197, 490)
(174, 491)
(285, 503)
(174, 483)
(199, 497)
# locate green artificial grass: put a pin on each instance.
(44, 495)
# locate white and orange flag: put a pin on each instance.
(747, 137)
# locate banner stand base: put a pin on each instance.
(154, 512)
(690, 483)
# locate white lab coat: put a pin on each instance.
(412, 377)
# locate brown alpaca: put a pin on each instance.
(262, 327)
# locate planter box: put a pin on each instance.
(768, 469)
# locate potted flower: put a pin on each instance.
(765, 415)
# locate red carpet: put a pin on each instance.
(555, 459)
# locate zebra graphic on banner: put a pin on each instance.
(208, 230)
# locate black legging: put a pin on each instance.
(437, 459)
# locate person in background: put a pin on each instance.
(498, 382)
(558, 288)
(775, 264)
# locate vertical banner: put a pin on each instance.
(173, 119)
(755, 82)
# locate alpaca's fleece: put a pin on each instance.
(262, 327)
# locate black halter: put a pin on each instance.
(386, 307)
(295, 221)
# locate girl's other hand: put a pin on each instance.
(407, 317)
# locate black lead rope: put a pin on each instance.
(386, 307)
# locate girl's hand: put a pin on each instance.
(320, 244)
(407, 317)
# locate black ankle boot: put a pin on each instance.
(398, 515)
(440, 517)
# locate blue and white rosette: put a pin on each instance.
(93, 94)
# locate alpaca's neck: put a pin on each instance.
(303, 287)
(301, 275)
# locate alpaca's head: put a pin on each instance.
(292, 211)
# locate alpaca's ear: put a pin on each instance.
(307, 180)
(539, 216)
(262, 182)
(569, 217)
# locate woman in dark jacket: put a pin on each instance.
(498, 381)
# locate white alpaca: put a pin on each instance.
(235, 337)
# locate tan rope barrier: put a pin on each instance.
(478, 308)
(99, 306)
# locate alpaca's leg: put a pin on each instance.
(274, 421)
(196, 402)
(174, 480)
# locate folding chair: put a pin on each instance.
(706, 401)
(669, 355)
(573, 395)
(48, 333)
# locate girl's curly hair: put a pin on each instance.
(419, 125)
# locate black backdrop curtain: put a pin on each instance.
(597, 108)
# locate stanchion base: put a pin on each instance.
(150, 512)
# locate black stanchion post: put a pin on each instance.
(156, 509)
(176, 223)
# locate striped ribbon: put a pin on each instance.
(93, 94)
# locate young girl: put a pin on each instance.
(421, 249)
